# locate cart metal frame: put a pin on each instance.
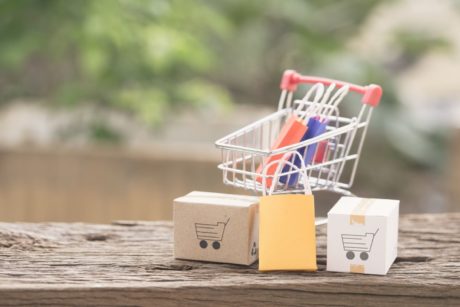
(332, 170)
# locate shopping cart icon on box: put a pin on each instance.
(210, 232)
(358, 244)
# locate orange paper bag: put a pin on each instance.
(287, 236)
(292, 132)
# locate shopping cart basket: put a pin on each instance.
(358, 244)
(337, 150)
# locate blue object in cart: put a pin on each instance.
(315, 128)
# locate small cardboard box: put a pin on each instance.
(216, 227)
(362, 235)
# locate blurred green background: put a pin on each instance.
(145, 87)
(150, 56)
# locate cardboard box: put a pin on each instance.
(216, 227)
(362, 235)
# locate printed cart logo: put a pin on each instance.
(361, 244)
(210, 233)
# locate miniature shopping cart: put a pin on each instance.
(210, 232)
(335, 159)
(358, 244)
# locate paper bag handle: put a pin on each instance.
(319, 89)
(281, 162)
(334, 102)
(326, 106)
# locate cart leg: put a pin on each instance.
(364, 256)
(350, 255)
(216, 245)
(203, 244)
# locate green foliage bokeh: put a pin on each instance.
(148, 56)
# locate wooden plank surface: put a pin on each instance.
(131, 264)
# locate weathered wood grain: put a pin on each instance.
(131, 264)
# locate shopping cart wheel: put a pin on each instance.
(203, 244)
(364, 256)
(350, 255)
(216, 245)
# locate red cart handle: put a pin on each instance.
(371, 93)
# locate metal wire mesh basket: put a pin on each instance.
(336, 152)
